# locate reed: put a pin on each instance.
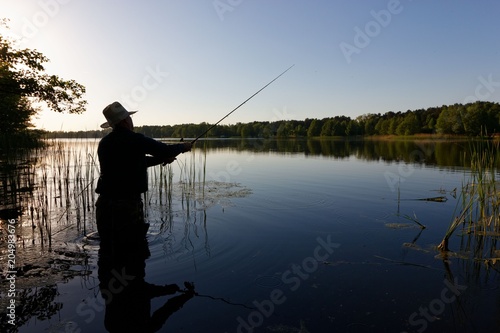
(54, 188)
(175, 195)
(477, 213)
(57, 183)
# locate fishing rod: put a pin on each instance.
(236, 108)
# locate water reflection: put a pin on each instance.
(62, 176)
(444, 153)
(40, 302)
(127, 295)
(177, 211)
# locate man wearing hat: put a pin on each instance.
(124, 157)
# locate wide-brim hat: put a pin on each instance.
(115, 113)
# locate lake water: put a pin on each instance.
(287, 236)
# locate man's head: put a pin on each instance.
(116, 115)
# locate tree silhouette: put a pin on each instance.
(24, 84)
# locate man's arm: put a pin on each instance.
(161, 152)
(152, 161)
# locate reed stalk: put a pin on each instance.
(59, 182)
(479, 213)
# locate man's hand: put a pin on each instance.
(171, 289)
(168, 160)
(189, 289)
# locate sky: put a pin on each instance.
(192, 61)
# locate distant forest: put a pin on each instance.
(473, 119)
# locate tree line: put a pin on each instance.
(472, 119)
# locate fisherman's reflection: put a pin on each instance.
(123, 286)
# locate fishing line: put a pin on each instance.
(226, 301)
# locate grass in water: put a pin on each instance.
(478, 214)
(52, 188)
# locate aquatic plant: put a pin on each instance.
(478, 213)
(45, 186)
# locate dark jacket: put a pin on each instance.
(123, 157)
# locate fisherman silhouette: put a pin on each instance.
(124, 157)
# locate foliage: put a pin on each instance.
(25, 87)
(472, 119)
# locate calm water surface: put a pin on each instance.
(304, 237)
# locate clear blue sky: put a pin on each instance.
(188, 61)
